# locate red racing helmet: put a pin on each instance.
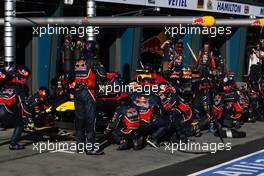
(18, 79)
(43, 93)
(24, 71)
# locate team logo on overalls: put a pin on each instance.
(9, 91)
(81, 65)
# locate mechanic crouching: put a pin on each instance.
(153, 123)
(123, 129)
(180, 114)
(13, 108)
(38, 103)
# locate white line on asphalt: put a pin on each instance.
(228, 162)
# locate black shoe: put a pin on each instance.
(232, 133)
(137, 143)
(237, 124)
(153, 142)
(251, 120)
(94, 152)
(16, 147)
(238, 134)
(261, 119)
(2, 128)
(123, 146)
(198, 133)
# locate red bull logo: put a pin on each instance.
(256, 23)
(198, 21)
(207, 21)
(259, 22)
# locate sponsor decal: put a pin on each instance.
(200, 4)
(178, 3)
(258, 22)
(199, 20)
(151, 1)
(246, 10)
(229, 7)
(210, 5)
(207, 21)
(262, 11)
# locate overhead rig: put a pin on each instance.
(133, 21)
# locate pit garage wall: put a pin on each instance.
(124, 51)
(188, 59)
(42, 54)
(130, 51)
(235, 52)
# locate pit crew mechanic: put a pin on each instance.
(87, 70)
(13, 108)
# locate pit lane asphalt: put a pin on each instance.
(194, 165)
(148, 161)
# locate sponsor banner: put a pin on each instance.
(228, 7)
(176, 4)
(252, 164)
(133, 2)
(216, 6)
(234, 8)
